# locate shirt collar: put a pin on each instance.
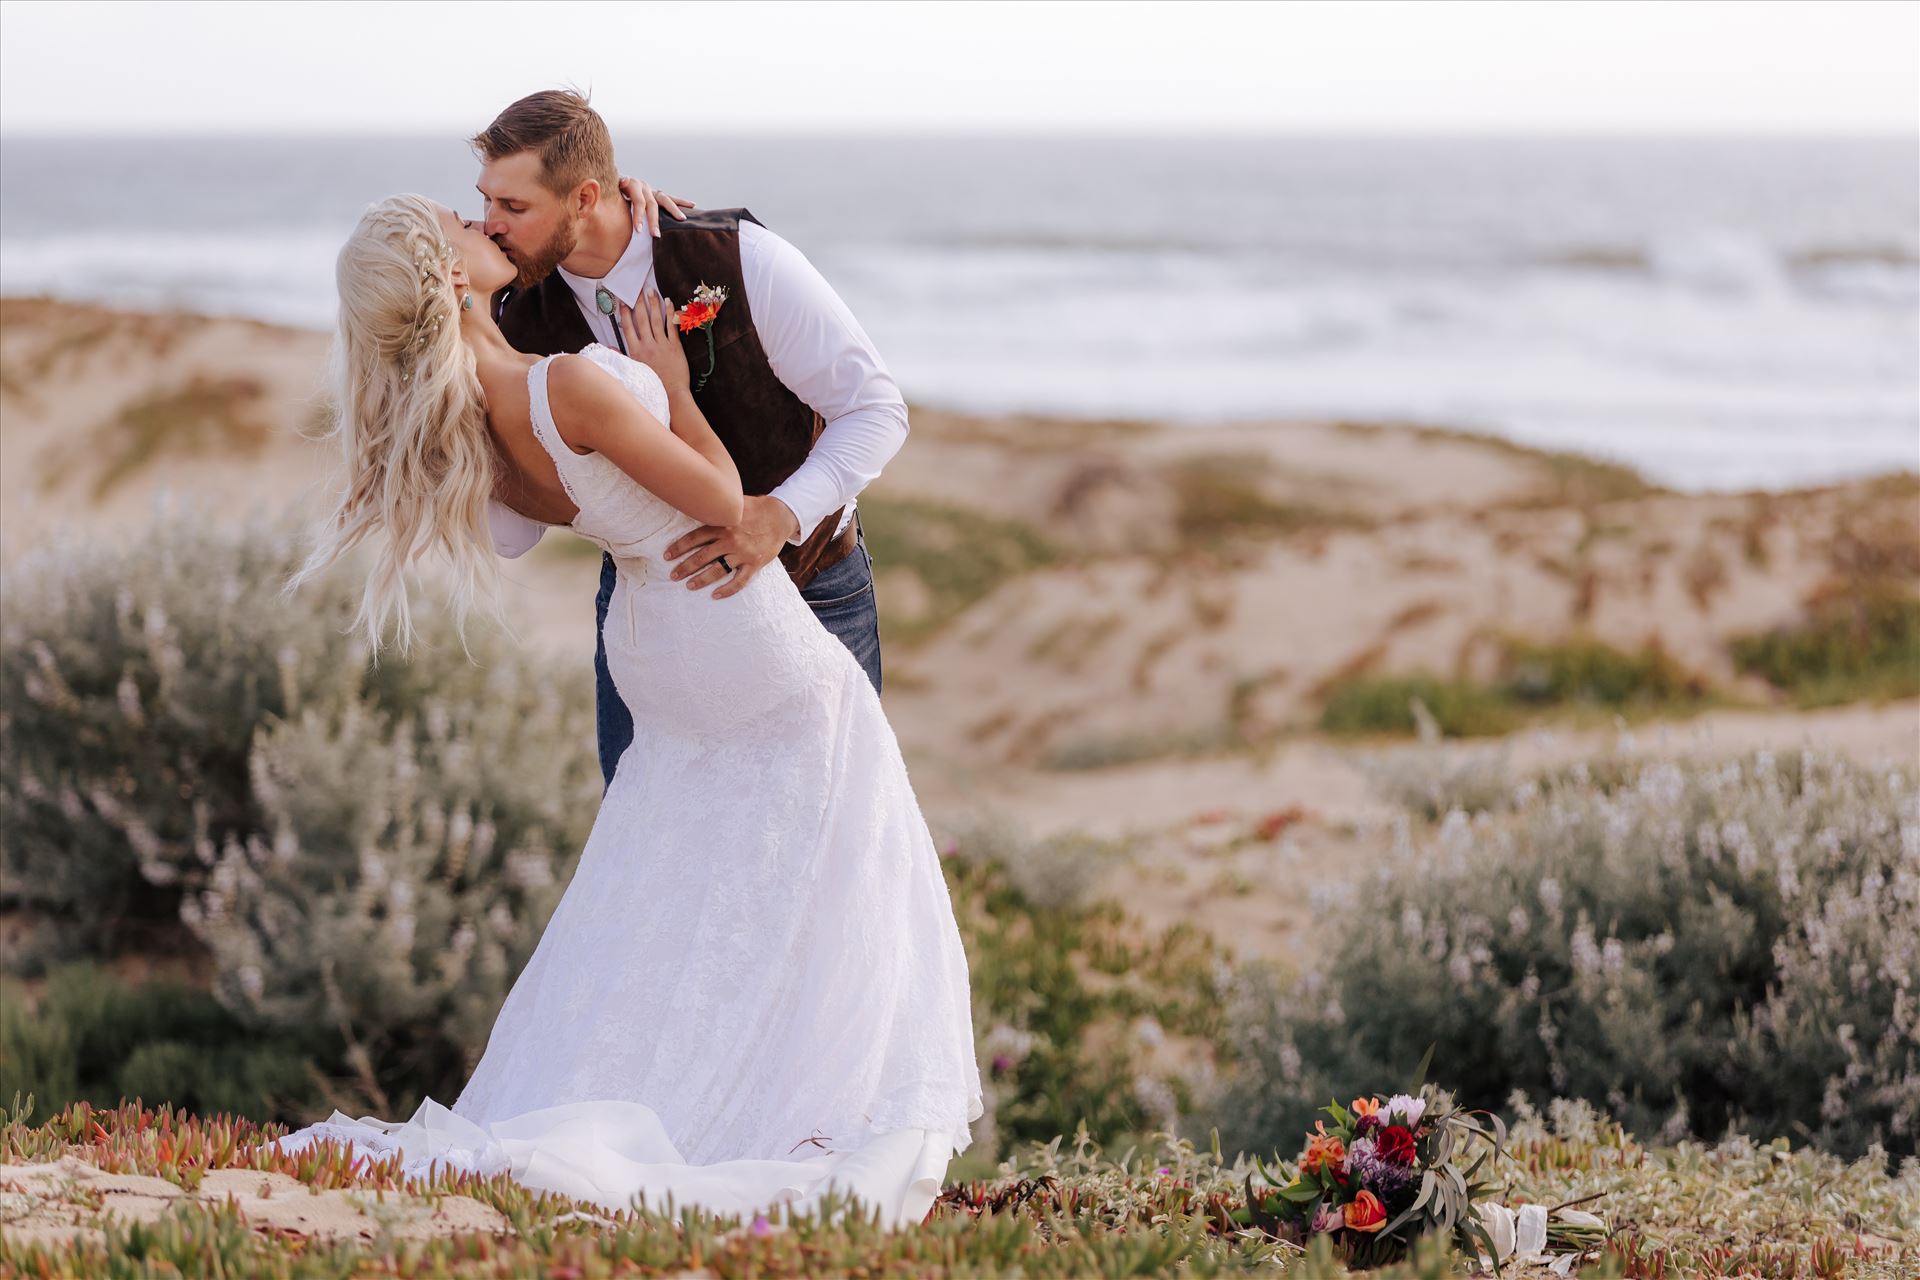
(625, 280)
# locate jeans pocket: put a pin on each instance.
(866, 589)
(841, 583)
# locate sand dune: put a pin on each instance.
(1188, 595)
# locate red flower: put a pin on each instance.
(1274, 823)
(1365, 1213)
(697, 315)
(1395, 1144)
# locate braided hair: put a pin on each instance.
(411, 423)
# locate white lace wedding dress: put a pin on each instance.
(754, 986)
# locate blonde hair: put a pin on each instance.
(411, 421)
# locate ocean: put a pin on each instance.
(1721, 313)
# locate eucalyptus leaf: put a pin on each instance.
(1420, 1075)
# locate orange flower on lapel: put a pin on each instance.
(699, 315)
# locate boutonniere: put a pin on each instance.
(700, 314)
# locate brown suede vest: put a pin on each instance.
(768, 429)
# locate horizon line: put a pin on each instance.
(1227, 133)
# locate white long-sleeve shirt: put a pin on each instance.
(814, 346)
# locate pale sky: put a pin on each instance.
(1315, 66)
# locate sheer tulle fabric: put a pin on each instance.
(617, 1155)
(754, 987)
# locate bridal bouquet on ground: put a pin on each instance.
(1387, 1171)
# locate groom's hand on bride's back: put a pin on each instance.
(645, 204)
(766, 525)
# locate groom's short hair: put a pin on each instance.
(568, 135)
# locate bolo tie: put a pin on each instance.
(603, 299)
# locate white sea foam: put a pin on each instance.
(1721, 314)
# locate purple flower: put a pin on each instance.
(1366, 1124)
(760, 1225)
(1163, 1169)
(1382, 1177)
(1001, 1062)
(1326, 1218)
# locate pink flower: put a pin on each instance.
(1408, 1108)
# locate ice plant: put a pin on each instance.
(698, 316)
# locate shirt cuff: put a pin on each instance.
(513, 534)
(811, 501)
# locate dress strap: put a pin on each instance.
(544, 430)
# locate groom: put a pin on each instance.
(797, 393)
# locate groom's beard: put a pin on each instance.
(540, 264)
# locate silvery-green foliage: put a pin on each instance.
(1055, 872)
(366, 851)
(1697, 947)
(1430, 778)
(403, 873)
(134, 676)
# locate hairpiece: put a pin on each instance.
(427, 257)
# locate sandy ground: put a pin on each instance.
(67, 1199)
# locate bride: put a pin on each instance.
(754, 987)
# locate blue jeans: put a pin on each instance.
(841, 596)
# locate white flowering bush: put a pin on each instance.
(365, 852)
(132, 679)
(402, 875)
(1694, 948)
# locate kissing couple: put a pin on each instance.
(754, 987)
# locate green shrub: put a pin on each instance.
(1072, 999)
(1573, 673)
(368, 854)
(1224, 498)
(957, 555)
(403, 875)
(1703, 947)
(134, 677)
(1585, 671)
(96, 1038)
(1384, 704)
(1852, 644)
